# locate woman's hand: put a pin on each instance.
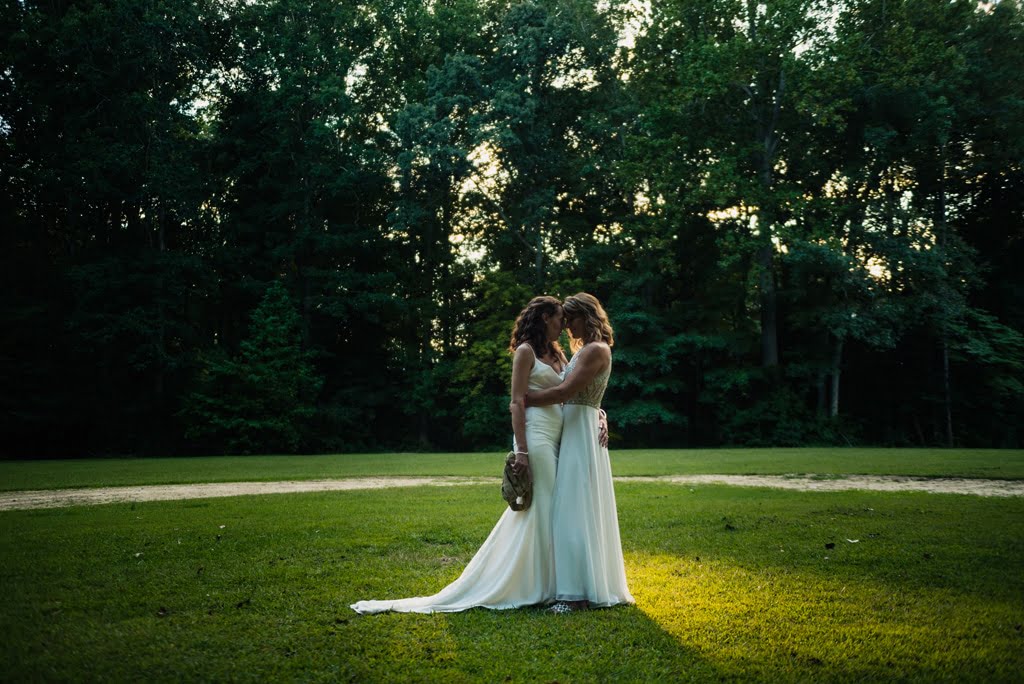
(602, 428)
(521, 463)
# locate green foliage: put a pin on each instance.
(805, 219)
(263, 398)
(482, 373)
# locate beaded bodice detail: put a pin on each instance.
(592, 394)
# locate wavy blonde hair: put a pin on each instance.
(596, 325)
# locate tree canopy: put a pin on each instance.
(280, 226)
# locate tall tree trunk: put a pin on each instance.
(820, 380)
(819, 385)
(769, 141)
(947, 395)
(837, 358)
(426, 366)
(539, 261)
(424, 430)
(769, 323)
(306, 308)
(941, 239)
(445, 273)
(161, 341)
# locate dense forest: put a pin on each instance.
(277, 226)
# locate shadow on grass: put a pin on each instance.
(613, 644)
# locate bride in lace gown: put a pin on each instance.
(515, 565)
(589, 567)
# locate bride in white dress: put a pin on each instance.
(515, 565)
(589, 567)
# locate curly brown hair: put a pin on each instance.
(598, 328)
(531, 328)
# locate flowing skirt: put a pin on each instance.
(514, 567)
(588, 549)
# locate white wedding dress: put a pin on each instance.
(588, 549)
(515, 565)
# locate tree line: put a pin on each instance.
(281, 226)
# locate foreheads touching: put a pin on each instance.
(587, 321)
(539, 324)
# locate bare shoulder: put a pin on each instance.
(524, 354)
(598, 351)
(597, 355)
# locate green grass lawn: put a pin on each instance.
(988, 463)
(731, 583)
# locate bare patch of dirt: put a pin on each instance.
(56, 498)
(878, 483)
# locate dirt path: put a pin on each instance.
(56, 498)
(878, 483)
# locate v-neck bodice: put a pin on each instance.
(543, 376)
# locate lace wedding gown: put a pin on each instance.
(588, 549)
(514, 567)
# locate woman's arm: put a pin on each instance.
(522, 364)
(593, 359)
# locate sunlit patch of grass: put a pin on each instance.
(770, 584)
(782, 624)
